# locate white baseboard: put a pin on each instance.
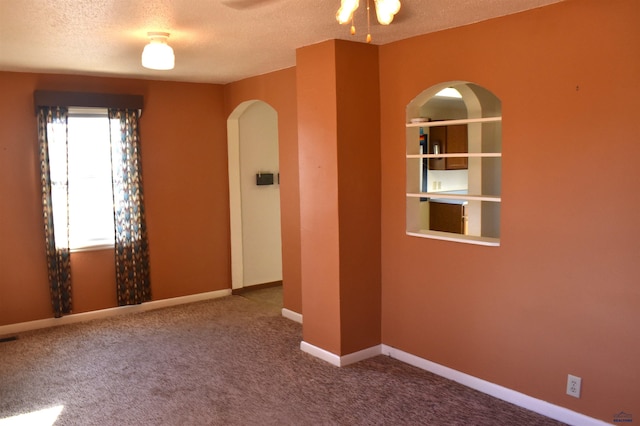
(354, 357)
(516, 398)
(293, 316)
(324, 355)
(530, 403)
(337, 360)
(109, 312)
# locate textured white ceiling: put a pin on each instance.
(215, 41)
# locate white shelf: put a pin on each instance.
(458, 238)
(445, 196)
(454, 122)
(458, 154)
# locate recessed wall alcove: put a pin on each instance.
(454, 164)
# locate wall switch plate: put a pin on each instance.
(573, 385)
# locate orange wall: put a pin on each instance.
(278, 89)
(339, 146)
(561, 294)
(183, 134)
(358, 115)
(319, 224)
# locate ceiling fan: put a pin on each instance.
(385, 11)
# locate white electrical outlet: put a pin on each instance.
(573, 385)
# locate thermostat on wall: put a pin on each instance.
(264, 179)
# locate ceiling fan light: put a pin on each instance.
(449, 92)
(158, 55)
(386, 10)
(345, 13)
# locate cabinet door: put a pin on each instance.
(448, 140)
(446, 217)
(437, 143)
(457, 142)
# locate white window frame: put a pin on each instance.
(91, 169)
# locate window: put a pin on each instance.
(454, 164)
(91, 220)
(76, 146)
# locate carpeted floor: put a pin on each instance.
(270, 297)
(229, 361)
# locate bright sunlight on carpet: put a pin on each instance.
(45, 417)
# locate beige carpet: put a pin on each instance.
(230, 361)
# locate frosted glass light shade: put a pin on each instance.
(449, 92)
(345, 13)
(386, 10)
(158, 55)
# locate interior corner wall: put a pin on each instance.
(186, 196)
(278, 89)
(358, 117)
(560, 294)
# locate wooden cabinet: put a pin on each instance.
(447, 217)
(448, 140)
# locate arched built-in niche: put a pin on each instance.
(256, 244)
(454, 164)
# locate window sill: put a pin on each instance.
(97, 247)
(458, 238)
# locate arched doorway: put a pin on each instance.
(256, 244)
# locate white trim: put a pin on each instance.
(537, 405)
(454, 122)
(97, 247)
(458, 155)
(324, 355)
(340, 361)
(458, 238)
(235, 199)
(77, 111)
(354, 357)
(449, 196)
(293, 316)
(109, 312)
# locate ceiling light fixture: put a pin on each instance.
(158, 55)
(449, 92)
(385, 11)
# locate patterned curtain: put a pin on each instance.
(54, 178)
(131, 247)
